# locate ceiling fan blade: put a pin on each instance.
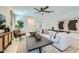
(48, 11)
(37, 9)
(36, 12)
(46, 7)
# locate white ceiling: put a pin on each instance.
(59, 11)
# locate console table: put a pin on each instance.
(5, 40)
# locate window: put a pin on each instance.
(61, 25)
(72, 25)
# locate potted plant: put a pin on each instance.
(19, 25)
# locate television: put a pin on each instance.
(2, 21)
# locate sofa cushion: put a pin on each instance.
(63, 43)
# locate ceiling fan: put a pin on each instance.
(43, 10)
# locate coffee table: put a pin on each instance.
(33, 44)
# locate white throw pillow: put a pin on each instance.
(1, 31)
(51, 32)
(52, 36)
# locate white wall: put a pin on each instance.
(66, 17)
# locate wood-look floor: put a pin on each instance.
(17, 46)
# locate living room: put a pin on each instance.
(37, 23)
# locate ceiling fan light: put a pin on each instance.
(42, 12)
